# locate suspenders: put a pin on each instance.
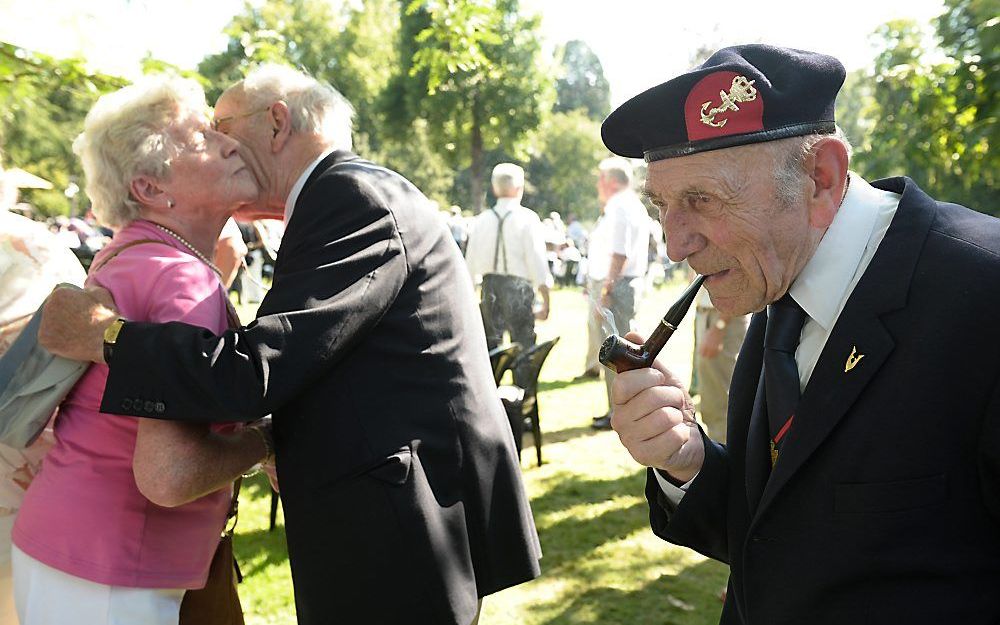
(500, 244)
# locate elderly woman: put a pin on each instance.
(126, 513)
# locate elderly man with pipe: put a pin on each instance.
(861, 479)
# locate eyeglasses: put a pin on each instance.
(219, 121)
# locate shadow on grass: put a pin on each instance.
(569, 539)
(689, 598)
(257, 550)
(559, 436)
(555, 385)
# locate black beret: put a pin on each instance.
(740, 95)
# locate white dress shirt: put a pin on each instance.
(622, 230)
(828, 279)
(523, 247)
(293, 195)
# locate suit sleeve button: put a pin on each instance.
(148, 406)
(126, 404)
(160, 407)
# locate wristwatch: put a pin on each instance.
(111, 337)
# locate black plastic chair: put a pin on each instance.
(502, 358)
(522, 404)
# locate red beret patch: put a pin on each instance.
(721, 104)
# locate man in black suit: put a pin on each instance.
(860, 479)
(402, 491)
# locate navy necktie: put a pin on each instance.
(781, 375)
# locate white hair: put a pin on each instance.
(315, 106)
(127, 134)
(617, 169)
(790, 158)
(507, 178)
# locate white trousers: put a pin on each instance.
(47, 596)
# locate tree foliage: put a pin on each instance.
(300, 33)
(583, 84)
(563, 168)
(472, 69)
(43, 102)
(931, 116)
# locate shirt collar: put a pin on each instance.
(293, 195)
(822, 285)
(504, 204)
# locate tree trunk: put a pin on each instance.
(476, 171)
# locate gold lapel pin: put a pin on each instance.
(853, 359)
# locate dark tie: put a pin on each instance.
(781, 375)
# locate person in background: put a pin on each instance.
(576, 232)
(230, 252)
(860, 481)
(718, 338)
(126, 514)
(507, 252)
(459, 228)
(617, 264)
(32, 263)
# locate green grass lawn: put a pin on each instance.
(601, 562)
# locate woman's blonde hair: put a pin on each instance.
(127, 134)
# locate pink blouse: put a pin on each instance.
(83, 514)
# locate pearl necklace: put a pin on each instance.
(184, 242)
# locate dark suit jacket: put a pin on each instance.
(884, 506)
(402, 492)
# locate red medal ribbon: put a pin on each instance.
(784, 430)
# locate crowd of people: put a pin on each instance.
(848, 472)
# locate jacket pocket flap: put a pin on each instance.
(890, 496)
(393, 469)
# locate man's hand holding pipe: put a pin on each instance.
(654, 418)
(74, 321)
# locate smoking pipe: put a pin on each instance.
(620, 355)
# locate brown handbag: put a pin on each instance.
(218, 603)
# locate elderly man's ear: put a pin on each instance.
(827, 168)
(281, 125)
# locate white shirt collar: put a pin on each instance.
(293, 195)
(821, 287)
(504, 204)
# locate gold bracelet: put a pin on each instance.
(265, 441)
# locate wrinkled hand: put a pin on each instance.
(654, 419)
(710, 345)
(73, 323)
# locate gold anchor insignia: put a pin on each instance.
(742, 90)
(853, 359)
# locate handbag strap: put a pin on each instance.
(121, 248)
(234, 508)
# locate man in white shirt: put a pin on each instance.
(617, 263)
(861, 480)
(506, 251)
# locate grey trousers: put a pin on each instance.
(507, 305)
(624, 300)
